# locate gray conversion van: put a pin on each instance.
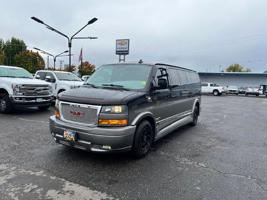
(126, 107)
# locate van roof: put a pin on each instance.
(162, 64)
(158, 64)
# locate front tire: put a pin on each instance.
(216, 93)
(5, 104)
(143, 139)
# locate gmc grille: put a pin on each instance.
(79, 113)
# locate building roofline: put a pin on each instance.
(233, 73)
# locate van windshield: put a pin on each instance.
(126, 76)
(14, 72)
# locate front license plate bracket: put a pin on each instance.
(70, 136)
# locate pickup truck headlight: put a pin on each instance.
(114, 109)
(16, 89)
(50, 89)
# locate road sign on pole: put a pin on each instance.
(122, 48)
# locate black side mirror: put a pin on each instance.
(50, 79)
(37, 76)
(162, 83)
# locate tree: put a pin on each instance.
(29, 60)
(86, 68)
(237, 68)
(2, 53)
(12, 48)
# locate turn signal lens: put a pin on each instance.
(113, 122)
(57, 113)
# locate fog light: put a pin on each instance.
(106, 147)
(113, 122)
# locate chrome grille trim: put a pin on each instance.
(34, 90)
(97, 108)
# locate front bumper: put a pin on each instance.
(31, 101)
(97, 139)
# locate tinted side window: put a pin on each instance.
(194, 77)
(190, 76)
(204, 84)
(197, 77)
(174, 77)
(183, 76)
(160, 74)
(42, 75)
(50, 74)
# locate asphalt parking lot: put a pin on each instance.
(224, 157)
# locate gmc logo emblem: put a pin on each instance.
(77, 114)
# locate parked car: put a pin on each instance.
(126, 107)
(60, 81)
(211, 88)
(252, 91)
(19, 89)
(232, 89)
(85, 77)
(264, 89)
(242, 90)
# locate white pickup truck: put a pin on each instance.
(18, 88)
(211, 88)
(59, 80)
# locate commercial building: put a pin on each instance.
(240, 79)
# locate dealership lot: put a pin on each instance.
(224, 157)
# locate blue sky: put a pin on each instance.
(205, 35)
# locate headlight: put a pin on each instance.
(16, 89)
(50, 89)
(57, 112)
(114, 109)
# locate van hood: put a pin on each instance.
(21, 81)
(99, 96)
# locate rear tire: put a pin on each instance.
(143, 139)
(5, 104)
(195, 116)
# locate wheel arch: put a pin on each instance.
(145, 116)
(3, 91)
(196, 103)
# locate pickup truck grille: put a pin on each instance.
(34, 90)
(79, 113)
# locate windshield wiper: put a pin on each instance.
(114, 86)
(62, 79)
(9, 76)
(90, 84)
(24, 77)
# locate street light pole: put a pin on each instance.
(55, 57)
(49, 54)
(68, 38)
